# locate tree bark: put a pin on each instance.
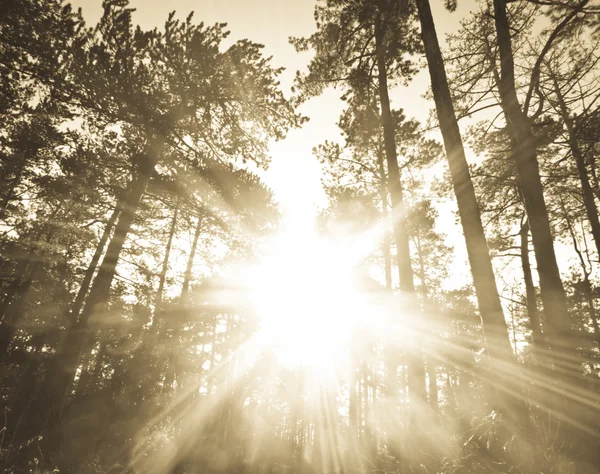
(431, 357)
(523, 151)
(530, 294)
(495, 329)
(187, 278)
(158, 312)
(488, 299)
(165, 264)
(90, 376)
(64, 364)
(73, 314)
(407, 285)
(383, 187)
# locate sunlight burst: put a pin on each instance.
(307, 301)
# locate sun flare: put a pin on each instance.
(307, 300)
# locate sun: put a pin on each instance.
(307, 301)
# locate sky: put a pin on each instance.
(294, 174)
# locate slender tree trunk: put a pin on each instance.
(187, 278)
(92, 377)
(407, 286)
(64, 365)
(490, 308)
(165, 264)
(390, 363)
(523, 151)
(431, 357)
(73, 314)
(586, 188)
(86, 370)
(492, 316)
(383, 187)
(158, 312)
(395, 186)
(531, 298)
(171, 356)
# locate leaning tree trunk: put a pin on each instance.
(73, 313)
(63, 366)
(524, 154)
(407, 286)
(492, 316)
(158, 311)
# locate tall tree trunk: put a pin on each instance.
(523, 151)
(431, 357)
(165, 264)
(73, 314)
(492, 316)
(407, 285)
(586, 188)
(531, 298)
(187, 277)
(490, 308)
(64, 364)
(383, 193)
(158, 312)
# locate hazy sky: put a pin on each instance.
(294, 174)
